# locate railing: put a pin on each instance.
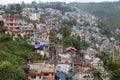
(48, 78)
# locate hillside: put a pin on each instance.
(108, 12)
(12, 55)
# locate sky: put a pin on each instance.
(29, 1)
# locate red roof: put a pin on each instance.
(71, 48)
(39, 74)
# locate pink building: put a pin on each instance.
(10, 22)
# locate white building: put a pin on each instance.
(63, 67)
(34, 16)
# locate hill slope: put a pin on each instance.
(108, 12)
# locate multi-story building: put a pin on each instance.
(34, 16)
(1, 20)
(10, 22)
(83, 70)
(41, 71)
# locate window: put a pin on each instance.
(39, 77)
(11, 19)
(46, 74)
(11, 24)
(33, 77)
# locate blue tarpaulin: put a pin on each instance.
(36, 46)
(40, 30)
(41, 45)
(61, 75)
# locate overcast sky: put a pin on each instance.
(29, 1)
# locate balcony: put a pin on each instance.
(48, 78)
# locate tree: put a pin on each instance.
(71, 41)
(69, 22)
(116, 75)
(2, 29)
(114, 68)
(9, 72)
(18, 8)
(52, 33)
(86, 23)
(5, 39)
(95, 73)
(66, 31)
(23, 5)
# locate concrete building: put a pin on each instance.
(63, 68)
(1, 21)
(41, 71)
(34, 16)
(10, 22)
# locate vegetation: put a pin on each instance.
(12, 55)
(2, 29)
(14, 8)
(112, 66)
(9, 71)
(57, 5)
(65, 30)
(108, 12)
(68, 40)
(86, 23)
(69, 22)
(95, 73)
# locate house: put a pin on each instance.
(83, 70)
(20, 27)
(97, 63)
(65, 58)
(44, 26)
(1, 21)
(91, 52)
(82, 66)
(63, 68)
(61, 76)
(34, 16)
(10, 22)
(76, 28)
(103, 75)
(59, 35)
(59, 49)
(117, 31)
(41, 71)
(41, 34)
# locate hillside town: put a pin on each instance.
(56, 61)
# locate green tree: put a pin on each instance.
(66, 31)
(95, 73)
(23, 5)
(5, 38)
(114, 69)
(116, 75)
(18, 8)
(86, 23)
(69, 22)
(71, 41)
(9, 72)
(2, 29)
